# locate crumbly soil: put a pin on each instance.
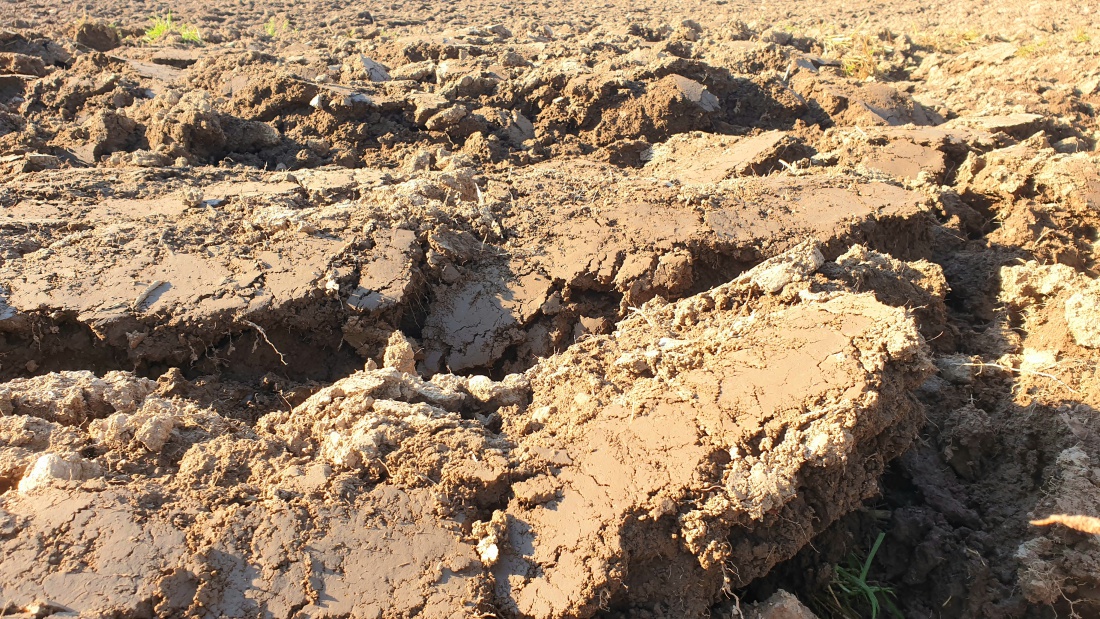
(548, 310)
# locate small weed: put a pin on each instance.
(969, 37)
(1080, 36)
(162, 26)
(276, 27)
(859, 54)
(850, 588)
(1031, 49)
(950, 41)
(191, 34)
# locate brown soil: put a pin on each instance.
(548, 310)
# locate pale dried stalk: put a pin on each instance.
(1084, 524)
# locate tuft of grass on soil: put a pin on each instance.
(1080, 36)
(851, 595)
(275, 27)
(161, 26)
(969, 37)
(164, 25)
(1031, 49)
(859, 54)
(190, 34)
(950, 41)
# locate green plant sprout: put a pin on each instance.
(190, 34)
(161, 26)
(275, 27)
(1031, 49)
(164, 25)
(859, 54)
(852, 585)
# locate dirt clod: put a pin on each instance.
(97, 35)
(1083, 316)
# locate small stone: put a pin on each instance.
(481, 387)
(191, 197)
(781, 605)
(488, 550)
(364, 67)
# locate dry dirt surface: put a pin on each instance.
(549, 310)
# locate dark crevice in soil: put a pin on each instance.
(41, 344)
(46, 345)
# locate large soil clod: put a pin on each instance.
(692, 437)
(482, 301)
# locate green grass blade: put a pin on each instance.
(890, 606)
(872, 599)
(871, 557)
